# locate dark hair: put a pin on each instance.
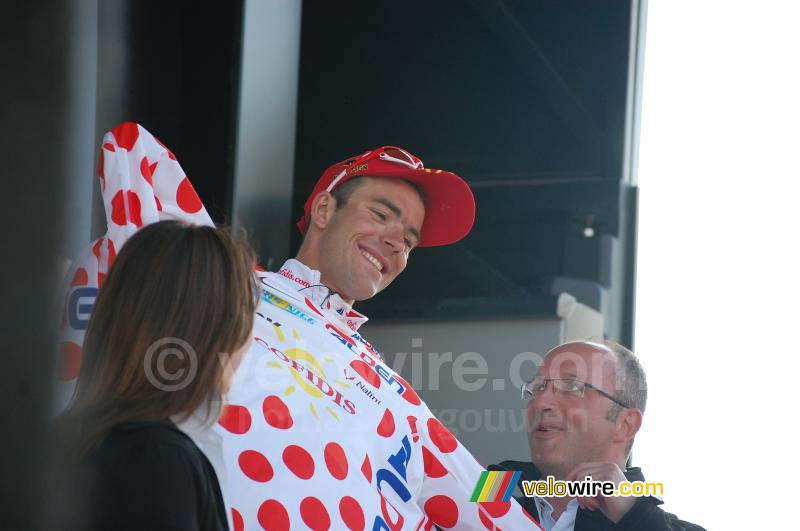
(343, 192)
(171, 283)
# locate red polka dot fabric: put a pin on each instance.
(350, 443)
(141, 183)
(318, 432)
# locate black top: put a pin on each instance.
(150, 475)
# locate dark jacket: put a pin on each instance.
(151, 475)
(645, 515)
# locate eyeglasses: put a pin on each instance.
(391, 154)
(400, 156)
(565, 387)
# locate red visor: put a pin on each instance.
(449, 208)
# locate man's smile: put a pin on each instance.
(372, 260)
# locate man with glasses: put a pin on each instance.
(585, 406)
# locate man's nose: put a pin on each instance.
(394, 237)
(543, 397)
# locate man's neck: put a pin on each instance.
(308, 259)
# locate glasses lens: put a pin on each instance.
(570, 387)
(398, 154)
(530, 389)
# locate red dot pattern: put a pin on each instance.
(298, 461)
(409, 394)
(135, 208)
(69, 362)
(352, 514)
(118, 209)
(273, 516)
(118, 214)
(367, 373)
(81, 277)
(187, 198)
(441, 436)
(238, 521)
(126, 135)
(336, 460)
(496, 509)
(366, 469)
(236, 419)
(96, 247)
(255, 466)
(442, 510)
(276, 413)
(433, 467)
(412, 424)
(147, 173)
(386, 425)
(314, 514)
(112, 252)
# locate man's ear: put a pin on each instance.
(322, 208)
(628, 423)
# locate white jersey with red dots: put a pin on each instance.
(319, 433)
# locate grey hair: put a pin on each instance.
(631, 383)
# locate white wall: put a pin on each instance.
(718, 288)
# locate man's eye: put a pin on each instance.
(380, 215)
(409, 246)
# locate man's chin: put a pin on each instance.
(366, 293)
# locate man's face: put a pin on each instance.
(566, 430)
(366, 243)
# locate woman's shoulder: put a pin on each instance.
(159, 432)
(140, 445)
(151, 475)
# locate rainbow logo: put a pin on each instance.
(495, 486)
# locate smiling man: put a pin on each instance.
(367, 213)
(359, 237)
(321, 432)
(317, 431)
(585, 406)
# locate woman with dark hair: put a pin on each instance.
(168, 329)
